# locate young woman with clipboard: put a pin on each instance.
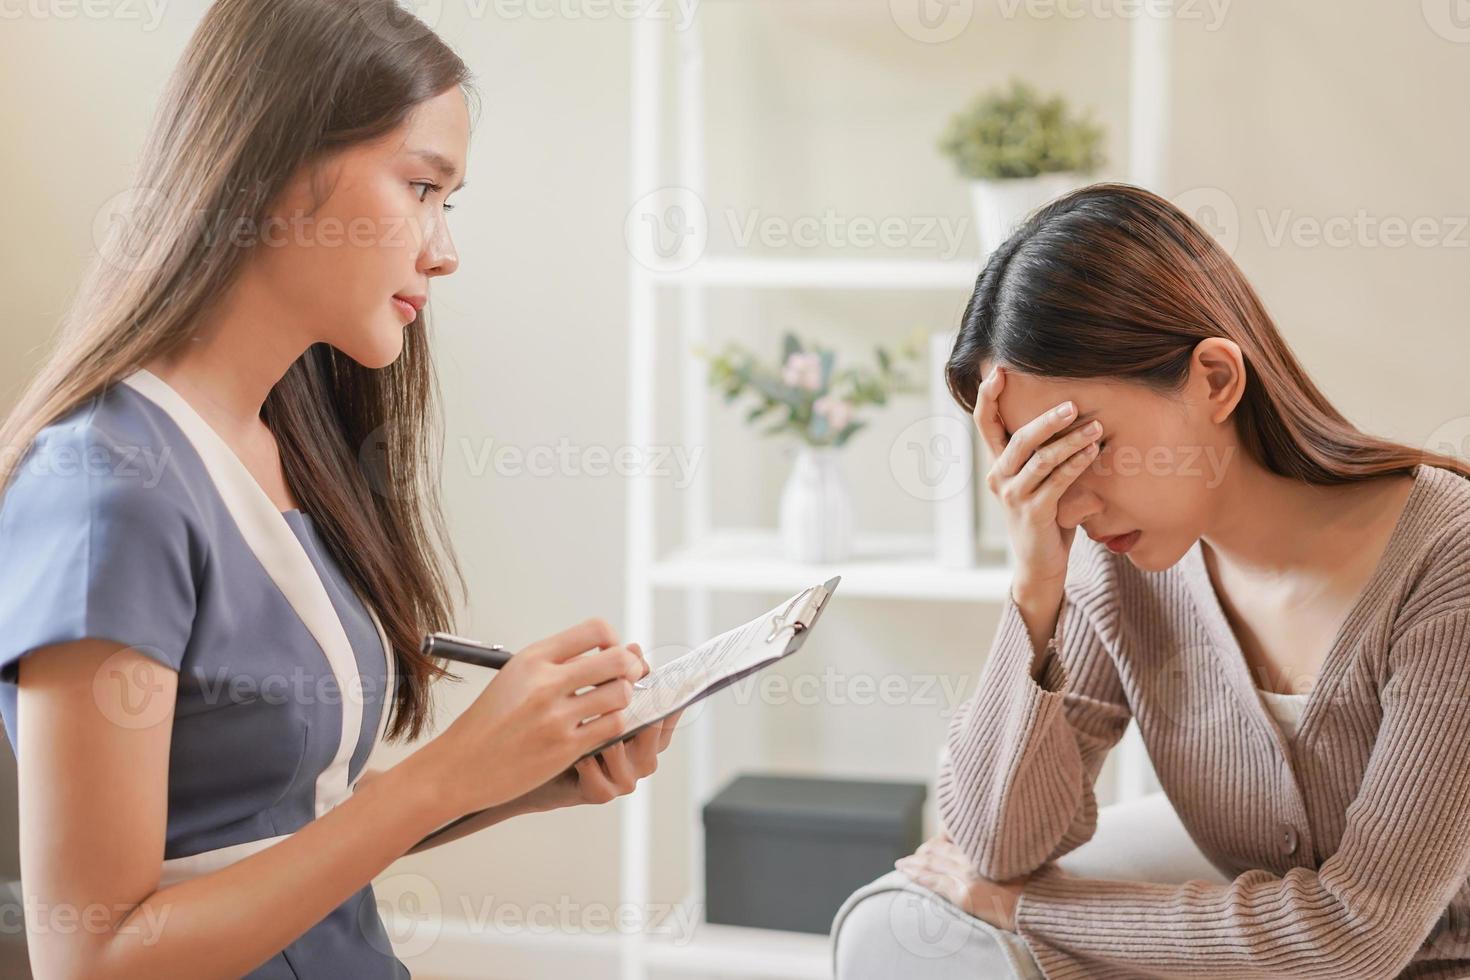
(220, 543)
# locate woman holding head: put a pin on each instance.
(1279, 600)
(221, 539)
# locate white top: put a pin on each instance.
(1285, 708)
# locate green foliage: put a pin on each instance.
(804, 393)
(1017, 133)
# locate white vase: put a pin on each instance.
(816, 508)
(1001, 204)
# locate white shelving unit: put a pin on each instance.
(747, 561)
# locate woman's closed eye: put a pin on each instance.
(431, 188)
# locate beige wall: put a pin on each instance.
(1289, 110)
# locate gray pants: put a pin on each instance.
(894, 928)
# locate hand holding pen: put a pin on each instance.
(550, 704)
(492, 655)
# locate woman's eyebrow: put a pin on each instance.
(440, 163)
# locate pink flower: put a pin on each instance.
(836, 411)
(803, 370)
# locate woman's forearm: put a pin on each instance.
(476, 823)
(1040, 610)
(228, 922)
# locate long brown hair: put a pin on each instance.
(1114, 282)
(263, 88)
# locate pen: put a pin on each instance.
(493, 655)
(451, 647)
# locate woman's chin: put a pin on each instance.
(1149, 555)
(377, 351)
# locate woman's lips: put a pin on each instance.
(405, 308)
(1122, 542)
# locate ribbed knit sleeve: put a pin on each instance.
(1362, 914)
(1015, 782)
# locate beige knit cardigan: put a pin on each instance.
(1348, 846)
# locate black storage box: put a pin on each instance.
(783, 852)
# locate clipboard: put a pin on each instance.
(797, 619)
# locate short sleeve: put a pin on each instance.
(93, 545)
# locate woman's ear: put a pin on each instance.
(1217, 375)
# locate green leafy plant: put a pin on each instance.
(805, 393)
(1016, 132)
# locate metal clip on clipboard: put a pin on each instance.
(799, 613)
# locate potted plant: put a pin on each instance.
(1019, 149)
(806, 395)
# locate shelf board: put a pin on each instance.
(881, 566)
(809, 273)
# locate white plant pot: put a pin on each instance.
(816, 508)
(1001, 204)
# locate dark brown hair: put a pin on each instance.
(264, 88)
(1113, 282)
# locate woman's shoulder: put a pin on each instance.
(113, 455)
(1437, 575)
(101, 534)
(1445, 501)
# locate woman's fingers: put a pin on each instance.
(611, 773)
(600, 729)
(643, 751)
(666, 729)
(601, 700)
(946, 886)
(1075, 459)
(1029, 438)
(603, 666)
(587, 635)
(638, 652)
(950, 863)
(987, 413)
(592, 781)
(619, 767)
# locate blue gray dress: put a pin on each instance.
(131, 520)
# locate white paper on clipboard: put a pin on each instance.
(724, 659)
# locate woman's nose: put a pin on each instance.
(439, 257)
(1077, 504)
